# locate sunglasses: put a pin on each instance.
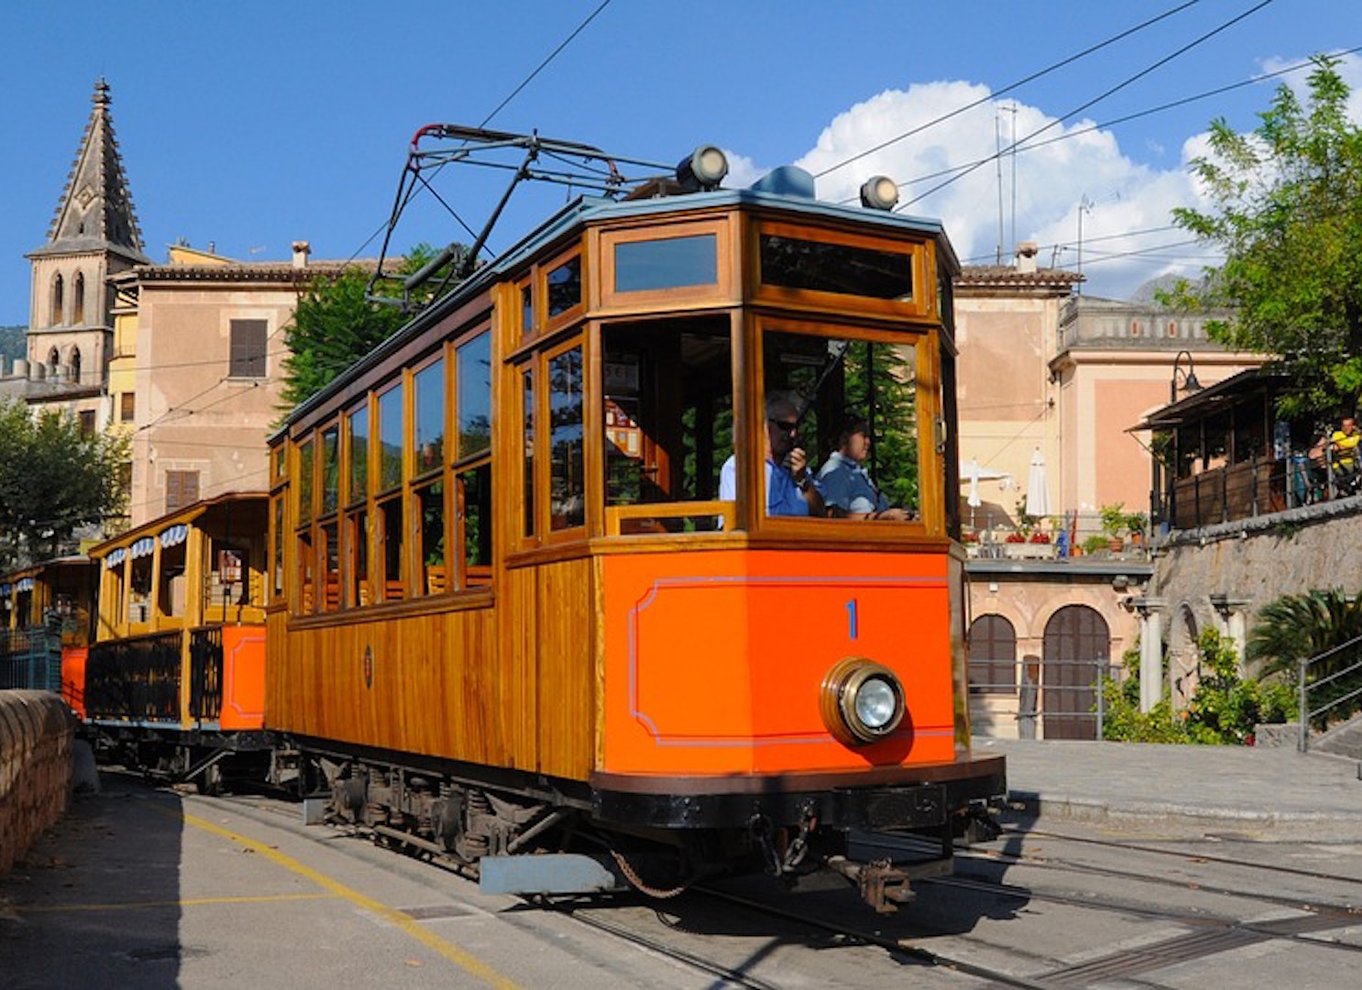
(785, 425)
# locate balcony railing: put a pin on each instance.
(1256, 487)
(136, 679)
(30, 659)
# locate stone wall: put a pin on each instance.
(1220, 576)
(36, 738)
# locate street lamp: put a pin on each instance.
(1189, 382)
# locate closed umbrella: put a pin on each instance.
(973, 474)
(1037, 494)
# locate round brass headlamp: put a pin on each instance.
(861, 701)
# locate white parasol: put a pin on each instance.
(1037, 493)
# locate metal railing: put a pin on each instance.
(1066, 699)
(136, 679)
(30, 659)
(1257, 487)
(1334, 689)
(205, 673)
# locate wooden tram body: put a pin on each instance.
(505, 592)
(175, 677)
(46, 626)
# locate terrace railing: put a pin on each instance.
(135, 679)
(1328, 685)
(30, 659)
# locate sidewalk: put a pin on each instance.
(1239, 788)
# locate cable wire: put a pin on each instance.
(1021, 142)
(1009, 88)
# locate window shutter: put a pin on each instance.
(182, 489)
(248, 349)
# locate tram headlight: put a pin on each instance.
(880, 193)
(704, 168)
(862, 701)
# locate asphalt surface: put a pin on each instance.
(1241, 788)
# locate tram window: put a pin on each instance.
(669, 263)
(391, 514)
(527, 455)
(306, 563)
(856, 406)
(668, 417)
(357, 538)
(475, 395)
(140, 586)
(390, 438)
(305, 483)
(565, 286)
(170, 595)
(475, 522)
(330, 469)
(277, 462)
(430, 501)
(527, 310)
(429, 385)
(567, 488)
(797, 263)
(277, 580)
(358, 425)
(330, 561)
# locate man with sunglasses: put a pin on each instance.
(791, 489)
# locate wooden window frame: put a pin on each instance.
(547, 324)
(409, 443)
(720, 292)
(543, 444)
(931, 513)
(527, 368)
(921, 252)
(240, 374)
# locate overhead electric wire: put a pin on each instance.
(1009, 87)
(1021, 142)
(1079, 132)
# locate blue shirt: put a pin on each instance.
(847, 485)
(783, 497)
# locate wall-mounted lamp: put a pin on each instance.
(1189, 382)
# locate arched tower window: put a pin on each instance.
(75, 363)
(53, 359)
(78, 300)
(58, 300)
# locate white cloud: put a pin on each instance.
(1123, 243)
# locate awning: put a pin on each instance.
(174, 536)
(25, 584)
(115, 558)
(143, 547)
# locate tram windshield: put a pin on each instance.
(841, 419)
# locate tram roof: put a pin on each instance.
(585, 210)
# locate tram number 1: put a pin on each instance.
(851, 619)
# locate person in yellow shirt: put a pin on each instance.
(1343, 449)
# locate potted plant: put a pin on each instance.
(1039, 537)
(1095, 543)
(1138, 524)
(1016, 536)
(1114, 525)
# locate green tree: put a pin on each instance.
(1226, 707)
(335, 324)
(1297, 627)
(53, 479)
(1287, 211)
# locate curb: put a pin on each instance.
(1150, 813)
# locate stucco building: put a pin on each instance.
(1052, 378)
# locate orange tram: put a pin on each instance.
(533, 587)
(567, 565)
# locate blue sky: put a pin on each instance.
(253, 124)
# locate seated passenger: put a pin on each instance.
(790, 486)
(847, 488)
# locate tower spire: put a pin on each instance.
(96, 212)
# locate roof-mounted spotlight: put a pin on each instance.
(705, 168)
(880, 193)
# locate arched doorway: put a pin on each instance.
(1077, 644)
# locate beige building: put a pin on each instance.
(201, 386)
(1050, 376)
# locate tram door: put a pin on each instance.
(1076, 646)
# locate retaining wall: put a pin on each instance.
(36, 738)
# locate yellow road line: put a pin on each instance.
(464, 960)
(186, 902)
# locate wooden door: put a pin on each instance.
(1077, 641)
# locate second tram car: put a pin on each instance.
(534, 581)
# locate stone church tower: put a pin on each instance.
(93, 236)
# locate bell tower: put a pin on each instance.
(93, 235)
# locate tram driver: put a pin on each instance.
(791, 489)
